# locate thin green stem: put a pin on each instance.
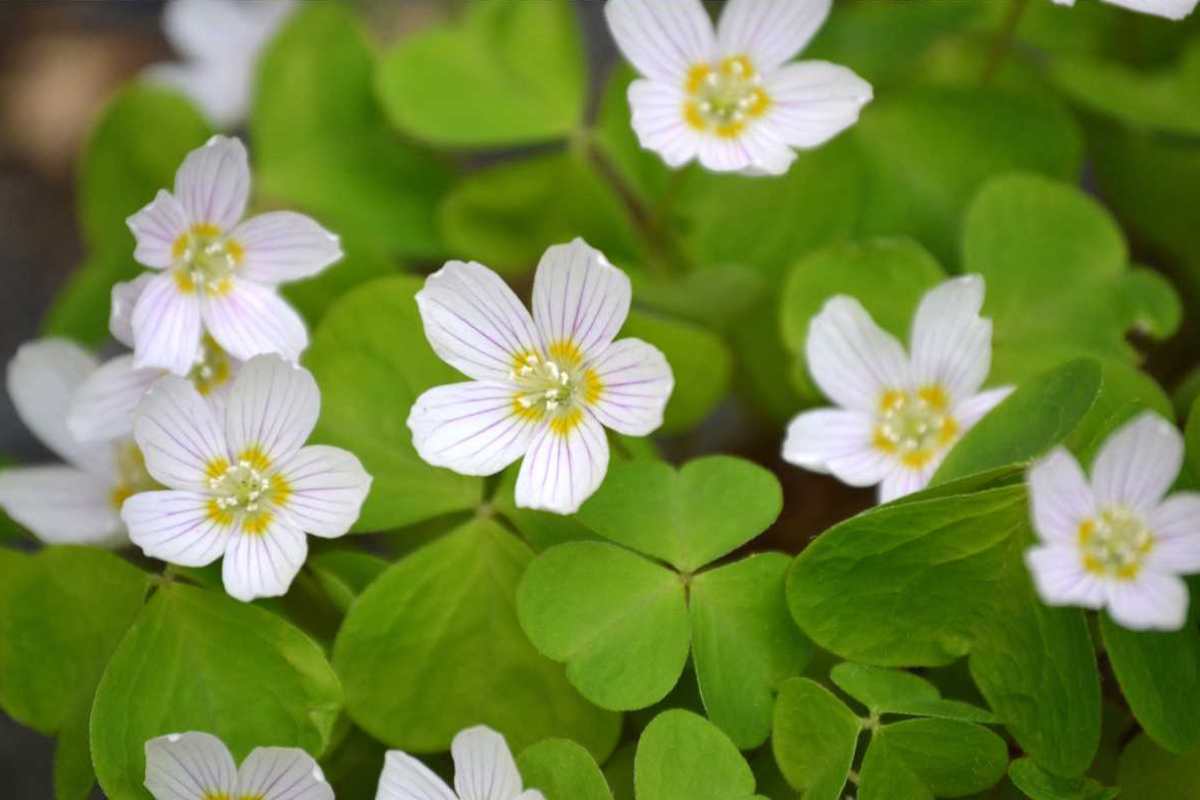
(1005, 37)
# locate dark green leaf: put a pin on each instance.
(920, 759)
(1039, 784)
(888, 691)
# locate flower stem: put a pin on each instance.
(1005, 36)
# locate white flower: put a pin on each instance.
(1117, 542)
(730, 98)
(221, 41)
(898, 416)
(1171, 9)
(198, 766)
(241, 484)
(483, 770)
(216, 274)
(78, 502)
(544, 386)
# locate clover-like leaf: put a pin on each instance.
(432, 646)
(1038, 784)
(562, 770)
(814, 738)
(682, 756)
(343, 574)
(922, 759)
(889, 691)
(1145, 770)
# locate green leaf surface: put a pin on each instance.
(433, 646)
(1038, 784)
(619, 621)
(1147, 772)
(1192, 439)
(371, 360)
(539, 529)
(1125, 391)
(921, 759)
(744, 644)
(562, 770)
(196, 660)
(814, 739)
(642, 170)
(344, 574)
(682, 756)
(508, 73)
(888, 691)
(688, 517)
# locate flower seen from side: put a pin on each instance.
(198, 766)
(484, 769)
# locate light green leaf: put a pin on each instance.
(682, 756)
(1036, 417)
(688, 517)
(1039, 784)
(540, 529)
(619, 621)
(344, 574)
(718, 297)
(888, 691)
(74, 778)
(433, 646)
(643, 170)
(1151, 304)
(814, 738)
(1125, 391)
(1148, 772)
(563, 770)
(197, 660)
(371, 360)
(508, 73)
(744, 644)
(920, 759)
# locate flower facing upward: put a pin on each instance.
(1117, 541)
(544, 386)
(198, 766)
(217, 273)
(241, 484)
(898, 416)
(729, 98)
(483, 770)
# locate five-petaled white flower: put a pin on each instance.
(729, 97)
(216, 274)
(898, 417)
(241, 484)
(1171, 9)
(221, 41)
(544, 386)
(1117, 542)
(198, 766)
(483, 770)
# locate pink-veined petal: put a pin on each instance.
(283, 246)
(213, 183)
(281, 773)
(189, 766)
(1175, 524)
(766, 151)
(814, 101)
(903, 480)
(978, 406)
(406, 778)
(1150, 602)
(851, 358)
(326, 489)
(951, 343)
(719, 154)
(271, 409)
(563, 468)
(124, 298)
(473, 428)
(263, 564)
(62, 505)
(769, 32)
(484, 768)
(1060, 578)
(1060, 498)
(156, 228)
(838, 442)
(166, 326)
(579, 299)
(179, 436)
(252, 319)
(635, 384)
(102, 408)
(474, 322)
(657, 117)
(1138, 463)
(176, 526)
(663, 39)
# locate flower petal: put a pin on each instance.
(282, 773)
(484, 768)
(251, 319)
(1169, 9)
(474, 322)
(221, 88)
(102, 407)
(766, 151)
(976, 407)
(271, 410)
(1151, 601)
(1060, 498)
(213, 183)
(531, 794)
(814, 101)
(663, 39)
(326, 489)
(904, 480)
(1138, 463)
(851, 358)
(770, 32)
(285, 246)
(42, 378)
(1060, 578)
(62, 505)
(177, 527)
(124, 298)
(838, 442)
(406, 778)
(563, 467)
(656, 114)
(179, 436)
(166, 326)
(189, 766)
(579, 299)
(473, 428)
(263, 564)
(951, 343)
(1176, 527)
(636, 382)
(718, 154)
(156, 228)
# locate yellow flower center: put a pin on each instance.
(556, 386)
(1115, 543)
(247, 490)
(723, 98)
(915, 426)
(205, 260)
(213, 369)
